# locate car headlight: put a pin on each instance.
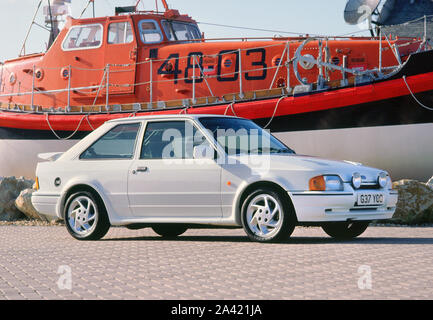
(326, 183)
(382, 179)
(356, 180)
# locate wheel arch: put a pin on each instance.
(255, 186)
(76, 188)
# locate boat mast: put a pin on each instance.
(164, 2)
(23, 48)
(87, 6)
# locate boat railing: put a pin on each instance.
(285, 61)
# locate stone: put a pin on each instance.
(415, 202)
(24, 204)
(10, 188)
(430, 183)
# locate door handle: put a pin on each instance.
(140, 169)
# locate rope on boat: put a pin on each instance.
(184, 110)
(419, 102)
(233, 110)
(275, 111)
(73, 133)
(88, 121)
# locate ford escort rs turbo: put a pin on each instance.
(171, 173)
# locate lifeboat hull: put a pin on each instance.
(380, 124)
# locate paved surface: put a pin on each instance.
(384, 263)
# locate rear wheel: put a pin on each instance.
(169, 230)
(267, 216)
(345, 230)
(86, 217)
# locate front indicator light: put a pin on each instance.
(317, 183)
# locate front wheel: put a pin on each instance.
(345, 230)
(267, 216)
(86, 217)
(169, 230)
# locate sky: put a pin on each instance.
(302, 16)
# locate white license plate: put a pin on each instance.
(370, 199)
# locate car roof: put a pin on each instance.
(169, 117)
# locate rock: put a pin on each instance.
(24, 204)
(415, 202)
(10, 188)
(430, 183)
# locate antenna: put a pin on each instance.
(357, 11)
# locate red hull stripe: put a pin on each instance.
(252, 110)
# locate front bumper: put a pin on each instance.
(340, 206)
(45, 204)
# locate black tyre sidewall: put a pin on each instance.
(339, 230)
(102, 224)
(169, 230)
(288, 224)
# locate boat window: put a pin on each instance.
(118, 143)
(83, 37)
(149, 31)
(181, 31)
(120, 32)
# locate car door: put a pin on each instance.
(166, 181)
(107, 162)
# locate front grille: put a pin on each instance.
(363, 209)
(369, 185)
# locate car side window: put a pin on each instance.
(118, 143)
(171, 140)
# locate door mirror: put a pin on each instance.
(204, 152)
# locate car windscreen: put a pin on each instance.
(242, 136)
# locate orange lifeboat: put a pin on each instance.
(150, 62)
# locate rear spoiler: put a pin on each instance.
(51, 156)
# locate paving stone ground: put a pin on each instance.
(384, 263)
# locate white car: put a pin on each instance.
(172, 173)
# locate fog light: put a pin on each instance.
(356, 180)
(382, 180)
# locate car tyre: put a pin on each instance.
(345, 230)
(169, 230)
(86, 217)
(268, 216)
